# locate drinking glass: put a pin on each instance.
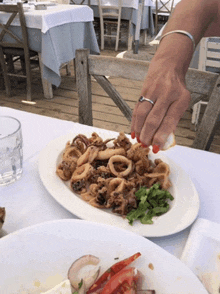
(11, 152)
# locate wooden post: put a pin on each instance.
(209, 120)
(83, 84)
(47, 87)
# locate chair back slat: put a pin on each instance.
(163, 7)
(11, 34)
(15, 11)
(213, 45)
(137, 69)
(11, 45)
(6, 26)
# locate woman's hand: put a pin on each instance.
(165, 81)
(152, 124)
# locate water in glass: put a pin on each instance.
(11, 152)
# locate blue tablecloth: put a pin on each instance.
(58, 45)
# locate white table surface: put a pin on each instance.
(27, 202)
(53, 16)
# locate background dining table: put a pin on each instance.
(138, 11)
(56, 33)
(27, 202)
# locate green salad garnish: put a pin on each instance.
(151, 202)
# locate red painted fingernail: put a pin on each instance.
(132, 135)
(143, 145)
(138, 139)
(156, 148)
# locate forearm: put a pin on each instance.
(199, 18)
(165, 84)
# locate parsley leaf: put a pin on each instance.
(151, 202)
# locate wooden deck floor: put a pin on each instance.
(106, 115)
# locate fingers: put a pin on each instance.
(153, 124)
(144, 109)
(134, 115)
(170, 121)
(141, 110)
(153, 121)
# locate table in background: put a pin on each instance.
(55, 34)
(27, 202)
(138, 11)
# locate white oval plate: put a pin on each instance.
(184, 208)
(37, 258)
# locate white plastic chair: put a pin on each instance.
(209, 60)
(111, 15)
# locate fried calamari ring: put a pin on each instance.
(107, 153)
(117, 185)
(161, 173)
(65, 169)
(79, 178)
(71, 153)
(81, 172)
(90, 154)
(121, 159)
(87, 196)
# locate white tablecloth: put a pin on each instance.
(27, 202)
(149, 3)
(125, 3)
(53, 16)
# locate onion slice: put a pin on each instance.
(82, 289)
(77, 265)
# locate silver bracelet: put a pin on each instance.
(181, 32)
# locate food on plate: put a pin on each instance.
(109, 273)
(153, 200)
(80, 263)
(2, 216)
(108, 173)
(119, 278)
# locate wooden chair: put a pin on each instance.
(110, 15)
(209, 60)
(204, 83)
(12, 46)
(164, 8)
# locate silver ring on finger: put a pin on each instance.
(142, 99)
